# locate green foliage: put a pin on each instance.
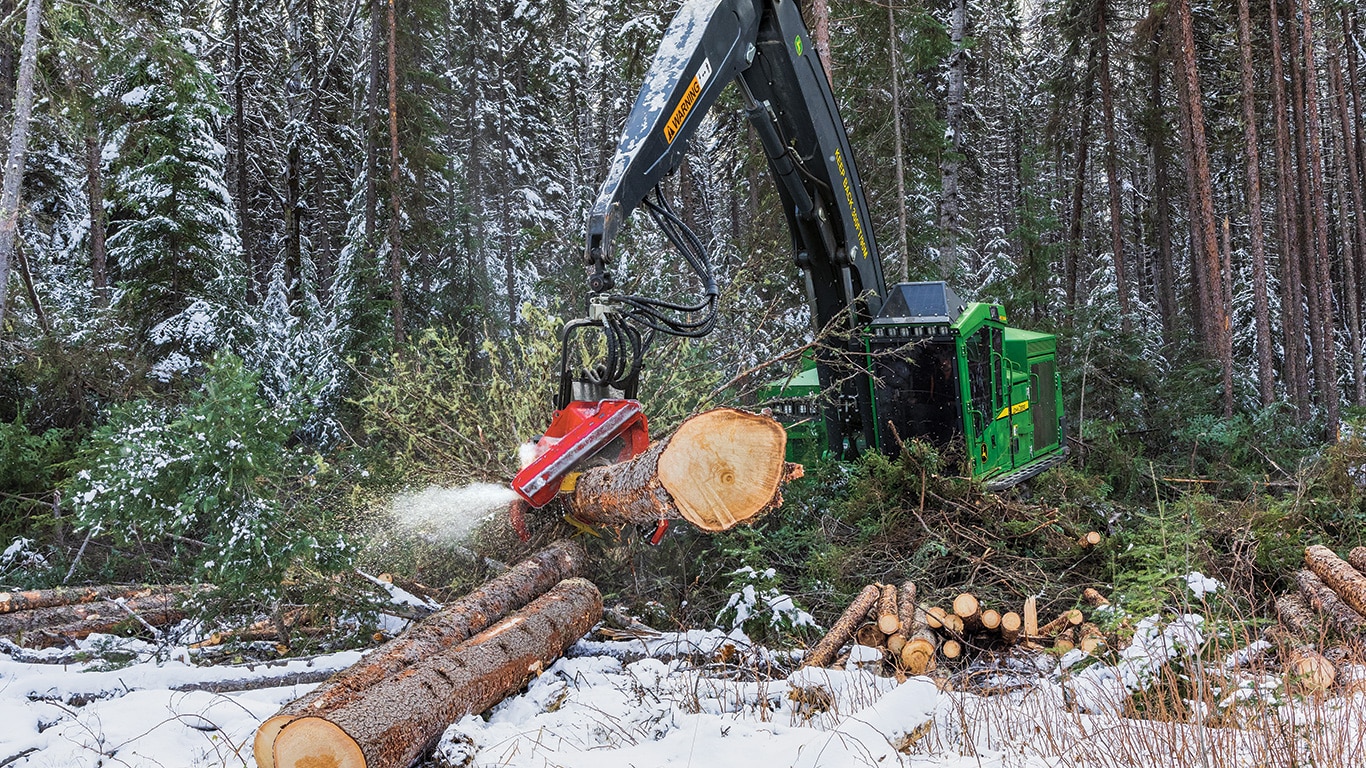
(758, 605)
(219, 480)
(30, 466)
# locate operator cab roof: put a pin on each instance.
(933, 302)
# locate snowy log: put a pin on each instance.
(58, 625)
(436, 634)
(1338, 574)
(719, 469)
(393, 724)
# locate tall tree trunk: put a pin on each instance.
(372, 139)
(1072, 268)
(395, 196)
(1323, 279)
(1202, 208)
(239, 160)
(820, 29)
(1292, 286)
(1349, 24)
(1304, 197)
(1265, 375)
(1353, 233)
(18, 145)
(94, 195)
(1112, 165)
(950, 223)
(894, 48)
(1164, 268)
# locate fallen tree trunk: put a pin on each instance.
(844, 627)
(48, 627)
(720, 468)
(48, 598)
(1357, 557)
(1338, 574)
(394, 724)
(436, 634)
(888, 617)
(1348, 622)
(1296, 615)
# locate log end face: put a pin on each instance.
(724, 467)
(312, 742)
(263, 746)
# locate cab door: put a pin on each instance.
(987, 409)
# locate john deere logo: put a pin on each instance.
(798, 43)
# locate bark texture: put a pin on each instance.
(58, 625)
(1322, 599)
(843, 628)
(28, 600)
(18, 145)
(720, 468)
(435, 635)
(394, 724)
(1339, 575)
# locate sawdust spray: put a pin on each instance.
(449, 515)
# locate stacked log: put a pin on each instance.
(434, 636)
(923, 634)
(1330, 595)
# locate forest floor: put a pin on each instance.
(714, 698)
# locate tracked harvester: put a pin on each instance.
(893, 363)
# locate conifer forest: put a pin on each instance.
(271, 271)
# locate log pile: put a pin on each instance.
(1330, 597)
(914, 638)
(389, 708)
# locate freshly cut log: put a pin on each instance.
(1310, 672)
(844, 627)
(720, 468)
(443, 630)
(1065, 641)
(48, 598)
(1296, 615)
(951, 649)
(967, 607)
(888, 619)
(935, 617)
(1357, 558)
(1346, 621)
(991, 620)
(1092, 639)
(1338, 574)
(1031, 617)
(905, 617)
(1011, 624)
(1089, 539)
(49, 627)
(394, 724)
(953, 624)
(917, 656)
(1068, 619)
(1093, 597)
(870, 635)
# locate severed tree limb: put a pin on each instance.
(719, 469)
(392, 725)
(843, 628)
(436, 634)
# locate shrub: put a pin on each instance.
(219, 480)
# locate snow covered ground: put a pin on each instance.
(640, 703)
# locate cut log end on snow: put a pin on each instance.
(720, 469)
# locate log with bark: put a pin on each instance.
(968, 608)
(1065, 640)
(1011, 624)
(991, 620)
(951, 649)
(394, 724)
(1092, 639)
(844, 627)
(1338, 574)
(58, 625)
(1357, 558)
(917, 655)
(870, 635)
(48, 598)
(1094, 598)
(719, 469)
(905, 614)
(1089, 539)
(1296, 615)
(441, 631)
(1066, 620)
(888, 617)
(1346, 621)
